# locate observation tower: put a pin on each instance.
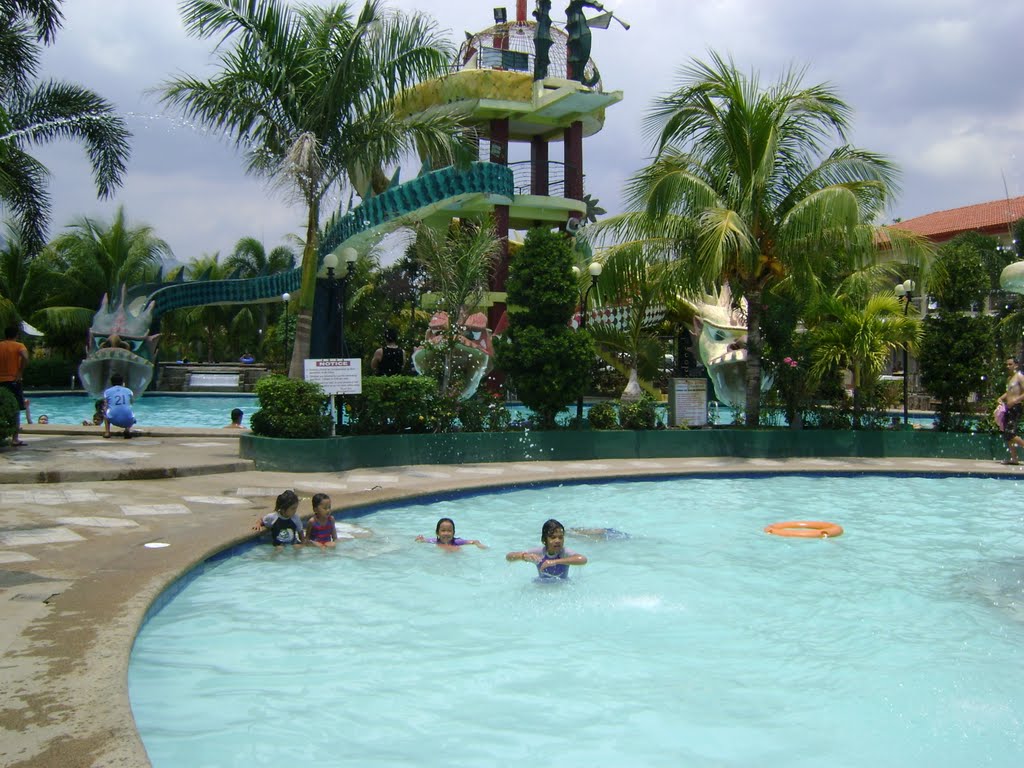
(526, 85)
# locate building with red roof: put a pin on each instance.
(995, 218)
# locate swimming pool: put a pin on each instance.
(698, 641)
(151, 410)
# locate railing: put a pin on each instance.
(522, 178)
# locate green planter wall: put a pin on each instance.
(342, 453)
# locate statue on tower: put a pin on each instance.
(578, 29)
(542, 39)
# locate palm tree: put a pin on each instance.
(33, 113)
(742, 190)
(312, 94)
(218, 329)
(458, 262)
(99, 258)
(250, 259)
(23, 280)
(860, 334)
(633, 283)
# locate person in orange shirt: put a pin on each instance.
(13, 358)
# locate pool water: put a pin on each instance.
(151, 410)
(698, 641)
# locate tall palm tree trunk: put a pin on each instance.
(753, 406)
(304, 324)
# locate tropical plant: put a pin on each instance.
(860, 336)
(634, 284)
(23, 280)
(547, 361)
(743, 191)
(251, 259)
(312, 94)
(458, 261)
(33, 113)
(99, 258)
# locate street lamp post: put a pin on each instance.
(285, 298)
(904, 293)
(595, 272)
(338, 347)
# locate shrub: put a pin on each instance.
(484, 412)
(395, 404)
(603, 416)
(641, 414)
(49, 372)
(291, 408)
(8, 414)
(547, 363)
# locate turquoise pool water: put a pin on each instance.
(151, 410)
(699, 641)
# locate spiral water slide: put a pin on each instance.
(445, 192)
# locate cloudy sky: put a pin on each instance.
(935, 86)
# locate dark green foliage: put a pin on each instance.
(542, 291)
(8, 414)
(291, 408)
(547, 368)
(603, 416)
(547, 362)
(640, 414)
(484, 412)
(963, 280)
(49, 372)
(957, 354)
(992, 256)
(396, 404)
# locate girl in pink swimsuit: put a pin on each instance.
(320, 530)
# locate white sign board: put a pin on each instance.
(688, 402)
(338, 376)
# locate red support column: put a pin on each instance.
(574, 161)
(539, 179)
(499, 154)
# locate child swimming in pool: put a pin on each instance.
(446, 538)
(320, 529)
(599, 533)
(553, 559)
(284, 524)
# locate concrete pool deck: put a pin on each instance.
(76, 579)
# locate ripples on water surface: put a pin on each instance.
(699, 641)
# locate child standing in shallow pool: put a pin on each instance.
(321, 530)
(446, 538)
(553, 559)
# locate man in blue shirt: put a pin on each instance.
(118, 399)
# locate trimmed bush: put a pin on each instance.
(8, 414)
(394, 404)
(603, 416)
(49, 373)
(291, 408)
(641, 414)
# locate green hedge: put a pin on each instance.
(49, 373)
(291, 408)
(8, 413)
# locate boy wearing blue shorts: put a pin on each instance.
(118, 399)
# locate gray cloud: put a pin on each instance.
(934, 85)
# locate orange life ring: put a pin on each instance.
(805, 529)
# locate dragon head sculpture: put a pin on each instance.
(463, 360)
(119, 342)
(721, 332)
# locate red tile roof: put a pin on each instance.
(991, 218)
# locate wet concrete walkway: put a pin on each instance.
(76, 578)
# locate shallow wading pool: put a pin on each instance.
(700, 640)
